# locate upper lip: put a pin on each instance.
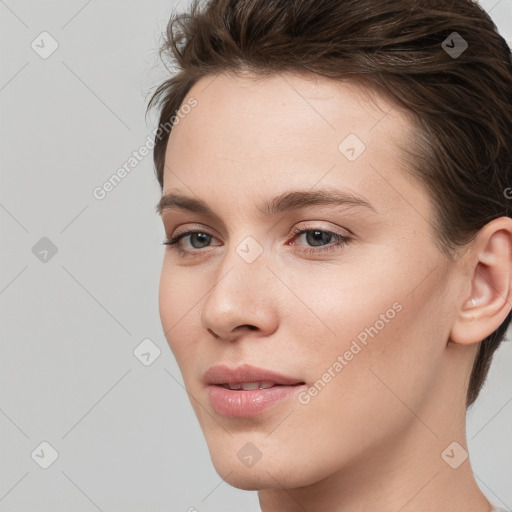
(222, 374)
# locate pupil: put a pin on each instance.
(313, 236)
(205, 239)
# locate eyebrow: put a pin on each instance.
(286, 202)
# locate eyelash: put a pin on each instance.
(341, 241)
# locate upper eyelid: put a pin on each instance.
(309, 226)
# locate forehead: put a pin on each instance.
(256, 135)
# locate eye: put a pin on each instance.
(316, 237)
(197, 238)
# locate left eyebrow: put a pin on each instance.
(286, 202)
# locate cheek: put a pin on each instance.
(179, 303)
(353, 299)
(375, 331)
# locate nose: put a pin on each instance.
(241, 298)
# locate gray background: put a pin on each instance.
(125, 433)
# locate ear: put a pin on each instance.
(490, 299)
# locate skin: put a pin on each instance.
(373, 437)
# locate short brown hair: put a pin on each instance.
(461, 147)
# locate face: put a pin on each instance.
(340, 305)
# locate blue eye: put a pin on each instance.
(318, 235)
(176, 244)
(314, 236)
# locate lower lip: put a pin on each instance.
(244, 404)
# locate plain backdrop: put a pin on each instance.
(79, 280)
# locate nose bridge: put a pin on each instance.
(241, 289)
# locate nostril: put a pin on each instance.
(247, 326)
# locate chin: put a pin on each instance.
(273, 471)
(249, 481)
(255, 479)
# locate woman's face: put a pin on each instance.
(355, 312)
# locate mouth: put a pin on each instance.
(246, 391)
(248, 386)
(247, 377)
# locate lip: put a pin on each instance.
(222, 374)
(247, 403)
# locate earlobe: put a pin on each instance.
(489, 300)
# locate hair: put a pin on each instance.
(460, 147)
